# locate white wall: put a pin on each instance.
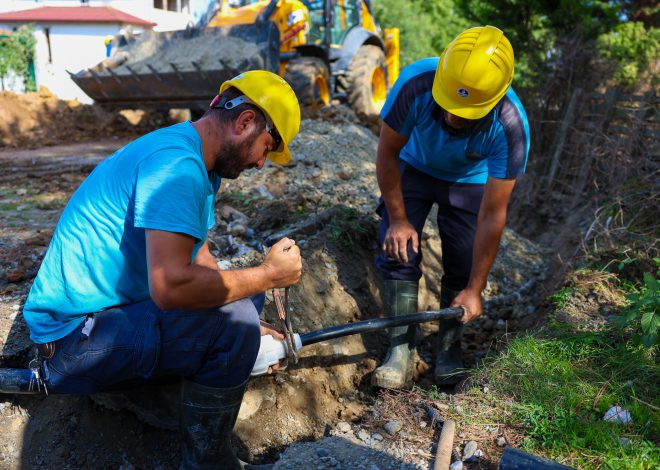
(144, 9)
(73, 47)
(14, 5)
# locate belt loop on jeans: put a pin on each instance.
(46, 350)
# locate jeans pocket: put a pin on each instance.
(66, 382)
(66, 371)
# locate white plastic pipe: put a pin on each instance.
(271, 352)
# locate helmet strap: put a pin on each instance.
(225, 103)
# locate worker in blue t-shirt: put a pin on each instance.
(454, 134)
(129, 292)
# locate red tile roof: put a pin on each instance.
(73, 15)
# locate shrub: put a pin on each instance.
(17, 54)
(644, 306)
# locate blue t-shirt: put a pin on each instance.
(497, 146)
(97, 256)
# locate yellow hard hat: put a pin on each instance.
(474, 72)
(108, 39)
(274, 96)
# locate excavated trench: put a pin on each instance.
(333, 171)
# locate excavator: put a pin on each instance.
(324, 48)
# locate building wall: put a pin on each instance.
(166, 20)
(73, 47)
(129, 6)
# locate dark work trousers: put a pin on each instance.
(458, 207)
(139, 342)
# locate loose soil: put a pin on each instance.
(34, 120)
(328, 389)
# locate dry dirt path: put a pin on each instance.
(55, 160)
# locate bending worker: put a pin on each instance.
(129, 291)
(454, 134)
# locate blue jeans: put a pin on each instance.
(458, 208)
(137, 343)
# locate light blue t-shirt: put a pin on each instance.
(97, 256)
(497, 146)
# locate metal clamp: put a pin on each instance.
(284, 314)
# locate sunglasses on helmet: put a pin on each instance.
(225, 103)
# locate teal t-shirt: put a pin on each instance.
(497, 146)
(97, 256)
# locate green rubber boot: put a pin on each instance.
(207, 418)
(399, 298)
(449, 354)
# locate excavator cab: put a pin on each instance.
(347, 54)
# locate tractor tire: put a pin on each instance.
(366, 82)
(310, 79)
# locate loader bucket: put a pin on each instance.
(179, 69)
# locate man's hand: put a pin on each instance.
(398, 235)
(283, 264)
(470, 300)
(268, 329)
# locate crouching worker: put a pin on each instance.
(129, 291)
(455, 135)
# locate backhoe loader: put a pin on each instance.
(324, 48)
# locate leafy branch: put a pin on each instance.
(644, 305)
(17, 54)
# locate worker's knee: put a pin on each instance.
(392, 269)
(234, 351)
(243, 325)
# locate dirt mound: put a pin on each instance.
(39, 119)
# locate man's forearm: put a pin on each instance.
(198, 287)
(486, 245)
(389, 182)
(388, 173)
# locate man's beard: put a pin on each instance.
(231, 159)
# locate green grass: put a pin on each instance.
(348, 228)
(561, 298)
(558, 389)
(8, 206)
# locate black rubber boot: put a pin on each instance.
(449, 354)
(208, 416)
(399, 298)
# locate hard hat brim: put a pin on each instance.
(465, 112)
(282, 157)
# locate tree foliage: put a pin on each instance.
(536, 28)
(547, 35)
(16, 55)
(632, 48)
(426, 25)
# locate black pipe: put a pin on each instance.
(18, 380)
(515, 459)
(378, 324)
